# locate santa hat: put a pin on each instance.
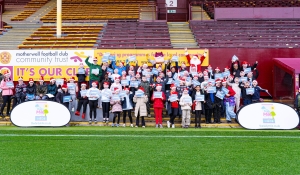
(41, 78)
(71, 78)
(158, 54)
(173, 85)
(195, 55)
(95, 82)
(224, 81)
(209, 65)
(226, 68)
(244, 62)
(126, 89)
(193, 65)
(158, 85)
(182, 78)
(217, 68)
(142, 89)
(106, 83)
(6, 73)
(20, 79)
(117, 78)
(83, 84)
(235, 63)
(186, 89)
(30, 80)
(51, 79)
(218, 80)
(95, 59)
(64, 86)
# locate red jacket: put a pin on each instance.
(199, 65)
(231, 91)
(158, 102)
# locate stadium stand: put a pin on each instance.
(84, 36)
(136, 35)
(33, 5)
(247, 34)
(99, 10)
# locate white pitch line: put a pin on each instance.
(145, 136)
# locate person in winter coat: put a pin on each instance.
(30, 90)
(20, 93)
(116, 107)
(72, 89)
(297, 105)
(127, 105)
(158, 105)
(173, 106)
(62, 92)
(41, 90)
(106, 95)
(247, 98)
(146, 85)
(229, 102)
(209, 103)
(140, 107)
(257, 90)
(218, 104)
(93, 94)
(105, 79)
(81, 74)
(186, 103)
(82, 101)
(7, 87)
(198, 106)
(95, 71)
(52, 89)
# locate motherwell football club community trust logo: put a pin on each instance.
(5, 57)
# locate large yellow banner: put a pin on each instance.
(142, 55)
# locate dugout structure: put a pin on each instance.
(286, 78)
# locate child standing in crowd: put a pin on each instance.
(72, 88)
(106, 94)
(7, 87)
(81, 74)
(257, 90)
(140, 107)
(146, 86)
(186, 103)
(116, 107)
(127, 105)
(41, 90)
(247, 98)
(52, 88)
(116, 84)
(158, 105)
(82, 101)
(209, 103)
(20, 92)
(93, 94)
(30, 90)
(61, 94)
(236, 87)
(172, 105)
(198, 106)
(218, 103)
(229, 102)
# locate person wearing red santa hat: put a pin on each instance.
(186, 103)
(116, 84)
(73, 89)
(209, 102)
(41, 89)
(82, 100)
(116, 107)
(127, 105)
(7, 87)
(173, 106)
(30, 90)
(95, 70)
(52, 89)
(105, 98)
(93, 94)
(229, 102)
(62, 95)
(195, 59)
(158, 105)
(20, 92)
(197, 106)
(218, 103)
(140, 107)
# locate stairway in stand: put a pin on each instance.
(181, 36)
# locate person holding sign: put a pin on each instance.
(158, 98)
(116, 107)
(127, 105)
(63, 96)
(120, 68)
(106, 95)
(186, 103)
(105, 79)
(229, 102)
(247, 97)
(116, 84)
(72, 89)
(7, 87)
(20, 92)
(140, 107)
(147, 88)
(52, 88)
(218, 102)
(41, 90)
(195, 60)
(247, 68)
(93, 94)
(173, 106)
(257, 90)
(81, 74)
(236, 87)
(95, 71)
(198, 99)
(209, 102)
(30, 90)
(82, 101)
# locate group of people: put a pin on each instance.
(126, 87)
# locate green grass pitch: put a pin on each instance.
(105, 150)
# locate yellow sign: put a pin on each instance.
(36, 72)
(141, 55)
